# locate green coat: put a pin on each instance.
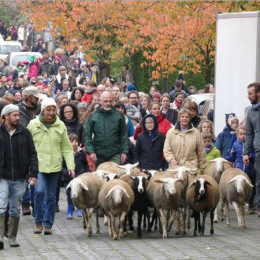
(51, 143)
(105, 133)
(213, 154)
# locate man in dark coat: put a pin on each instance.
(18, 157)
(46, 66)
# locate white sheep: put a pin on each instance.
(215, 170)
(164, 193)
(203, 196)
(236, 189)
(84, 195)
(116, 198)
(113, 167)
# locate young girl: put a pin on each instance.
(149, 145)
(90, 88)
(206, 125)
(211, 151)
(236, 156)
(81, 167)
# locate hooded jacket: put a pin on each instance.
(253, 130)
(105, 133)
(185, 148)
(149, 147)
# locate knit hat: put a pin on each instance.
(82, 105)
(130, 87)
(83, 63)
(9, 109)
(180, 76)
(231, 119)
(157, 95)
(46, 102)
(9, 79)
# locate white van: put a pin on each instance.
(7, 47)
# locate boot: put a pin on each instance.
(6, 223)
(26, 209)
(13, 229)
(2, 231)
(70, 211)
(79, 213)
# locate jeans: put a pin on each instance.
(28, 197)
(15, 190)
(257, 182)
(45, 198)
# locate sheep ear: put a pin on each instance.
(193, 184)
(132, 177)
(160, 170)
(194, 170)
(108, 178)
(232, 180)
(179, 180)
(208, 183)
(120, 166)
(110, 191)
(84, 186)
(248, 182)
(68, 186)
(116, 177)
(126, 193)
(158, 181)
(145, 171)
(135, 165)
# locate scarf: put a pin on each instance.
(207, 150)
(178, 104)
(47, 124)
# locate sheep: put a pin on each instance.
(84, 194)
(116, 198)
(151, 173)
(203, 196)
(215, 169)
(106, 175)
(235, 188)
(164, 193)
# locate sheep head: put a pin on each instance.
(117, 193)
(76, 186)
(240, 182)
(219, 163)
(169, 184)
(128, 168)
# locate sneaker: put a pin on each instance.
(251, 211)
(26, 209)
(47, 231)
(57, 208)
(79, 212)
(38, 228)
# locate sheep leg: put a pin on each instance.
(130, 220)
(122, 222)
(196, 215)
(238, 213)
(105, 220)
(113, 227)
(139, 225)
(163, 223)
(242, 216)
(144, 223)
(184, 220)
(109, 227)
(97, 223)
(178, 222)
(84, 218)
(147, 215)
(216, 215)
(170, 222)
(90, 212)
(160, 223)
(189, 217)
(205, 213)
(211, 222)
(221, 203)
(226, 213)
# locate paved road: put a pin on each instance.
(70, 242)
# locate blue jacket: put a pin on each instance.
(225, 141)
(236, 155)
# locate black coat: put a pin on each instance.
(18, 157)
(46, 67)
(149, 153)
(172, 116)
(26, 114)
(195, 121)
(75, 127)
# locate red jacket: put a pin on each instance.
(163, 126)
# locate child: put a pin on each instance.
(90, 88)
(149, 145)
(206, 125)
(227, 137)
(81, 167)
(236, 155)
(211, 151)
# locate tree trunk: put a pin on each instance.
(104, 71)
(164, 84)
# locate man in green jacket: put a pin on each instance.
(106, 135)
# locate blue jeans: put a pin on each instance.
(45, 198)
(15, 190)
(28, 197)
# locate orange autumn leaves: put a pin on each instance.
(171, 35)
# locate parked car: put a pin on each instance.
(201, 100)
(15, 57)
(7, 47)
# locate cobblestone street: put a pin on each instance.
(69, 241)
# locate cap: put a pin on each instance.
(9, 109)
(32, 91)
(177, 83)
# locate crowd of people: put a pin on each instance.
(59, 121)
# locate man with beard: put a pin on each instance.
(253, 134)
(18, 157)
(106, 136)
(28, 111)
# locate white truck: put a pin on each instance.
(237, 63)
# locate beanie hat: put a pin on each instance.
(180, 76)
(9, 109)
(46, 102)
(130, 87)
(157, 95)
(82, 105)
(231, 119)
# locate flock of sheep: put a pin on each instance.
(120, 190)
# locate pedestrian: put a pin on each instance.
(106, 136)
(183, 145)
(206, 125)
(90, 88)
(194, 110)
(46, 66)
(149, 145)
(253, 135)
(211, 151)
(33, 67)
(81, 166)
(52, 144)
(169, 113)
(236, 156)
(178, 102)
(125, 76)
(16, 142)
(227, 137)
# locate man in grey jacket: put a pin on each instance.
(253, 134)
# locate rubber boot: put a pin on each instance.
(6, 223)
(79, 212)
(70, 211)
(2, 231)
(13, 229)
